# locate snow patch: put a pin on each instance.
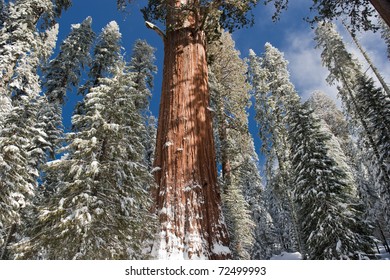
(338, 246)
(167, 144)
(155, 169)
(220, 249)
(287, 256)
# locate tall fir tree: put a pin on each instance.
(101, 205)
(385, 34)
(230, 98)
(142, 64)
(23, 142)
(18, 34)
(61, 74)
(330, 217)
(275, 97)
(365, 104)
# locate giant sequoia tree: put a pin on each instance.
(187, 198)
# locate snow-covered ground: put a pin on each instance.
(287, 256)
(383, 255)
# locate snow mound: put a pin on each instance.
(287, 256)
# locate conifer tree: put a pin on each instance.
(106, 54)
(18, 34)
(142, 64)
(368, 111)
(229, 93)
(185, 153)
(61, 74)
(143, 67)
(385, 34)
(330, 217)
(275, 97)
(101, 206)
(23, 141)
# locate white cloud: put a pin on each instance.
(307, 73)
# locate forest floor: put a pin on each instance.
(382, 255)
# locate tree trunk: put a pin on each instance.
(370, 63)
(187, 198)
(383, 8)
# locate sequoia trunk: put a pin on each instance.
(187, 198)
(383, 8)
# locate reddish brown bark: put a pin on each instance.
(383, 8)
(187, 199)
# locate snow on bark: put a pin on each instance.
(188, 178)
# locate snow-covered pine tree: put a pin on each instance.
(22, 139)
(374, 69)
(385, 34)
(249, 179)
(335, 124)
(101, 206)
(331, 219)
(275, 97)
(18, 34)
(106, 54)
(364, 110)
(230, 98)
(325, 108)
(61, 73)
(375, 106)
(142, 64)
(64, 70)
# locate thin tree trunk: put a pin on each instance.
(187, 198)
(369, 61)
(369, 136)
(383, 8)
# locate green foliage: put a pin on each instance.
(330, 216)
(227, 14)
(358, 12)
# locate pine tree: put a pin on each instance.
(106, 54)
(143, 67)
(275, 97)
(19, 33)
(365, 110)
(370, 63)
(142, 64)
(230, 98)
(23, 141)
(330, 216)
(385, 34)
(335, 125)
(101, 206)
(61, 74)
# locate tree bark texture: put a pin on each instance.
(187, 198)
(383, 8)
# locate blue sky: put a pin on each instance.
(292, 35)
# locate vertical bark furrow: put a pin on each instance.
(188, 199)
